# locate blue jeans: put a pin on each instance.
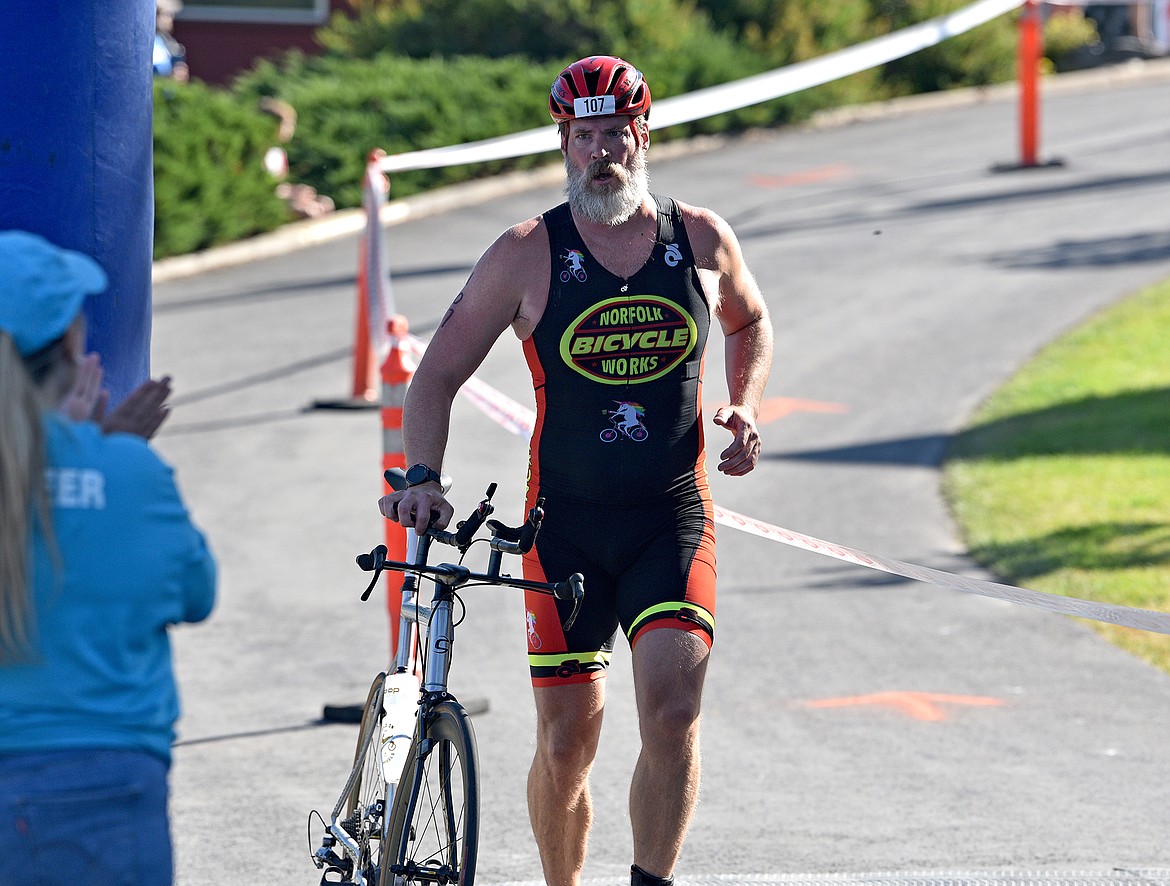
(84, 816)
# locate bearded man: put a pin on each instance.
(611, 294)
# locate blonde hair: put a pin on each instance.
(23, 497)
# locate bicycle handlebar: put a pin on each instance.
(503, 540)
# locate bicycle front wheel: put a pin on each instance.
(433, 832)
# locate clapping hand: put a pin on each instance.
(141, 413)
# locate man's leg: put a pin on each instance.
(568, 725)
(669, 668)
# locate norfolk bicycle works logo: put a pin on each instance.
(629, 339)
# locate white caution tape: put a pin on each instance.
(503, 410)
(521, 420)
(379, 294)
(728, 96)
(833, 66)
(1143, 619)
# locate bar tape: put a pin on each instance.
(520, 420)
(726, 97)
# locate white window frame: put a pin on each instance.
(240, 11)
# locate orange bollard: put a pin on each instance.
(396, 375)
(1029, 52)
(1028, 62)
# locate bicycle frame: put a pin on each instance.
(435, 623)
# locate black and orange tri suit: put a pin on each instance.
(617, 451)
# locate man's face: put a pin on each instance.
(605, 167)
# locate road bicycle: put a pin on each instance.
(409, 811)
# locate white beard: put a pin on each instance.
(606, 205)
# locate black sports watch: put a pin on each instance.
(420, 473)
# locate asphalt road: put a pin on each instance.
(906, 281)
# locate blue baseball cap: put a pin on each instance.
(42, 288)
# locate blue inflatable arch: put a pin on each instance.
(76, 155)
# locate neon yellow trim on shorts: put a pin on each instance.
(558, 659)
(704, 616)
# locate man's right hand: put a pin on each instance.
(419, 507)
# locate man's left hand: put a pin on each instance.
(741, 456)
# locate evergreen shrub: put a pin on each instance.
(210, 184)
(347, 107)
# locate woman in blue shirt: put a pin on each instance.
(98, 557)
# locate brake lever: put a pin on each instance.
(573, 589)
(465, 531)
(374, 561)
(572, 619)
(531, 527)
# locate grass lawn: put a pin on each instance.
(1062, 481)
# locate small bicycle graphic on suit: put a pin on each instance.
(627, 421)
(575, 260)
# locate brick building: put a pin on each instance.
(223, 38)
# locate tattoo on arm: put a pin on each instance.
(451, 310)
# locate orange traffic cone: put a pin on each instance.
(396, 374)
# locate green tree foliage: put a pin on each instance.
(542, 30)
(788, 31)
(671, 41)
(1066, 32)
(210, 185)
(982, 56)
(539, 29)
(402, 75)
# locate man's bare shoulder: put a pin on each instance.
(515, 269)
(520, 243)
(522, 246)
(710, 235)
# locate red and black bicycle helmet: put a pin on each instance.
(598, 85)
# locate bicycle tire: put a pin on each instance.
(365, 805)
(433, 831)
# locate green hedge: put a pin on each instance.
(400, 76)
(424, 87)
(210, 185)
(347, 107)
